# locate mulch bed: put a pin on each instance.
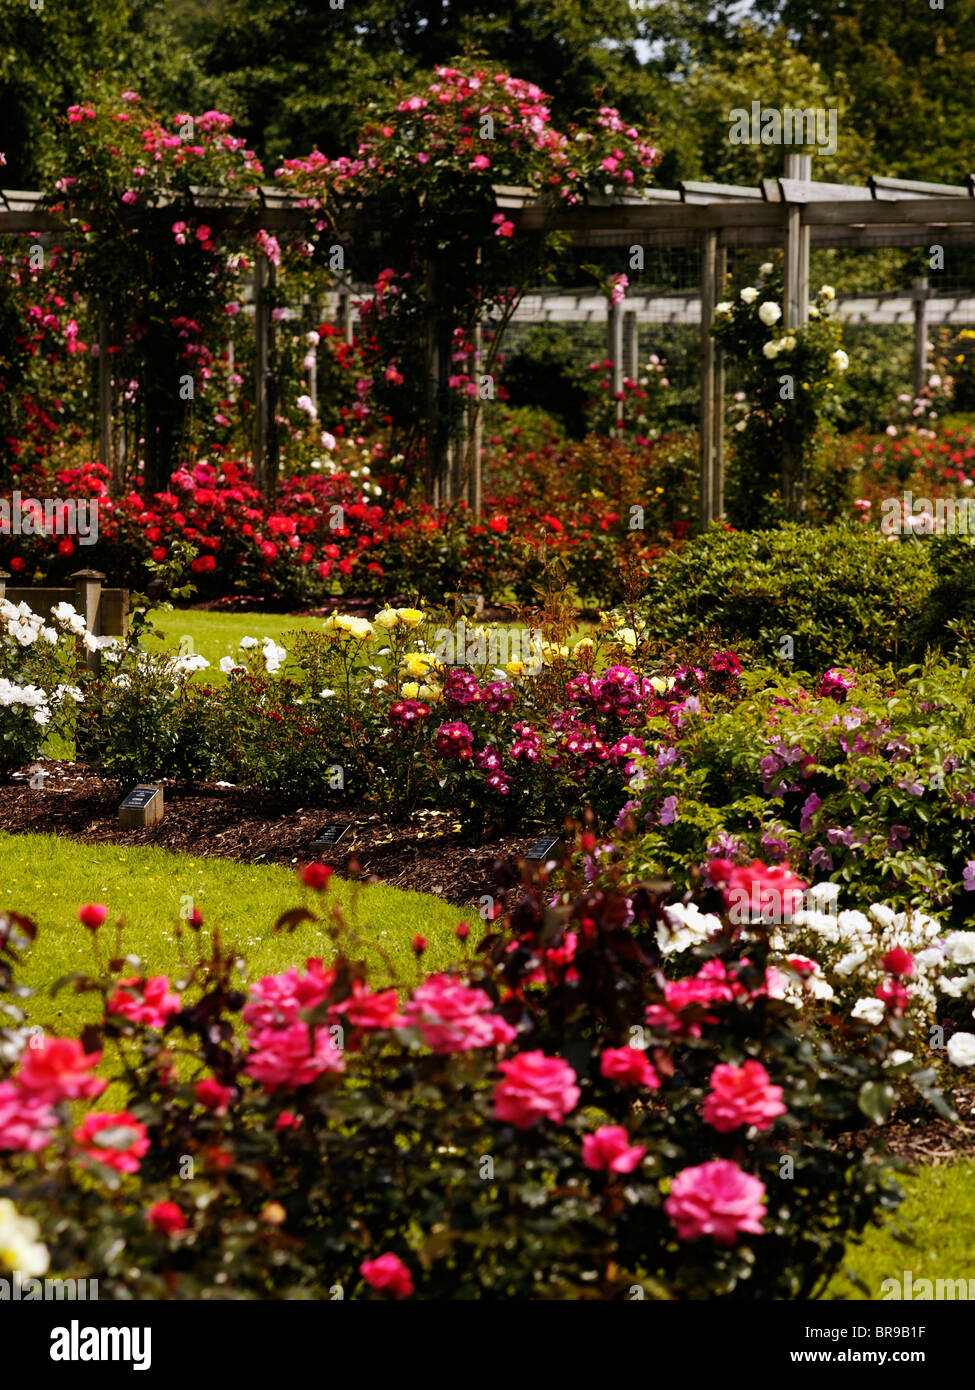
(426, 854)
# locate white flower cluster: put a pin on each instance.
(24, 633)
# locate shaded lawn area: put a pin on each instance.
(47, 878)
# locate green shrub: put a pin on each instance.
(808, 598)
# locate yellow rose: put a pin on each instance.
(418, 663)
(387, 618)
(627, 638)
(433, 693)
(412, 617)
(515, 668)
(410, 690)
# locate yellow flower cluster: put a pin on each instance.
(349, 626)
(396, 617)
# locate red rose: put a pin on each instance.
(92, 915)
(166, 1218)
(316, 876)
(388, 1274)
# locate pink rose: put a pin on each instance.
(285, 1057)
(535, 1087)
(388, 1274)
(145, 1001)
(609, 1148)
(57, 1069)
(742, 1096)
(118, 1141)
(25, 1119)
(215, 1097)
(454, 1017)
(629, 1066)
(281, 998)
(716, 1199)
(771, 893)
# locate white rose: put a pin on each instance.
(871, 1010)
(765, 268)
(828, 292)
(749, 295)
(840, 359)
(882, 915)
(960, 946)
(722, 309)
(961, 1049)
(898, 1057)
(851, 963)
(769, 313)
(771, 349)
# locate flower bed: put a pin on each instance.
(549, 1120)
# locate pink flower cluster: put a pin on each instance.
(454, 1017)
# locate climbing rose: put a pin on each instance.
(535, 1087)
(716, 1199)
(742, 1096)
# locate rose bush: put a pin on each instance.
(479, 1134)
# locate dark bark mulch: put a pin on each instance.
(426, 854)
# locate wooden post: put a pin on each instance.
(920, 334)
(4, 576)
(87, 601)
(105, 450)
(796, 307)
(614, 351)
(717, 498)
(708, 262)
(631, 345)
(261, 360)
(477, 431)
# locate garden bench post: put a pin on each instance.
(920, 334)
(709, 249)
(87, 601)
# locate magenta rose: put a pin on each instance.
(742, 1096)
(609, 1148)
(716, 1199)
(629, 1066)
(535, 1087)
(454, 1017)
(388, 1274)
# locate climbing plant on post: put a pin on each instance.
(418, 211)
(140, 251)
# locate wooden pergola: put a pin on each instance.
(793, 212)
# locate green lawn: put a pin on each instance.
(48, 878)
(214, 635)
(932, 1235)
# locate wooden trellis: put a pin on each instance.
(794, 212)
